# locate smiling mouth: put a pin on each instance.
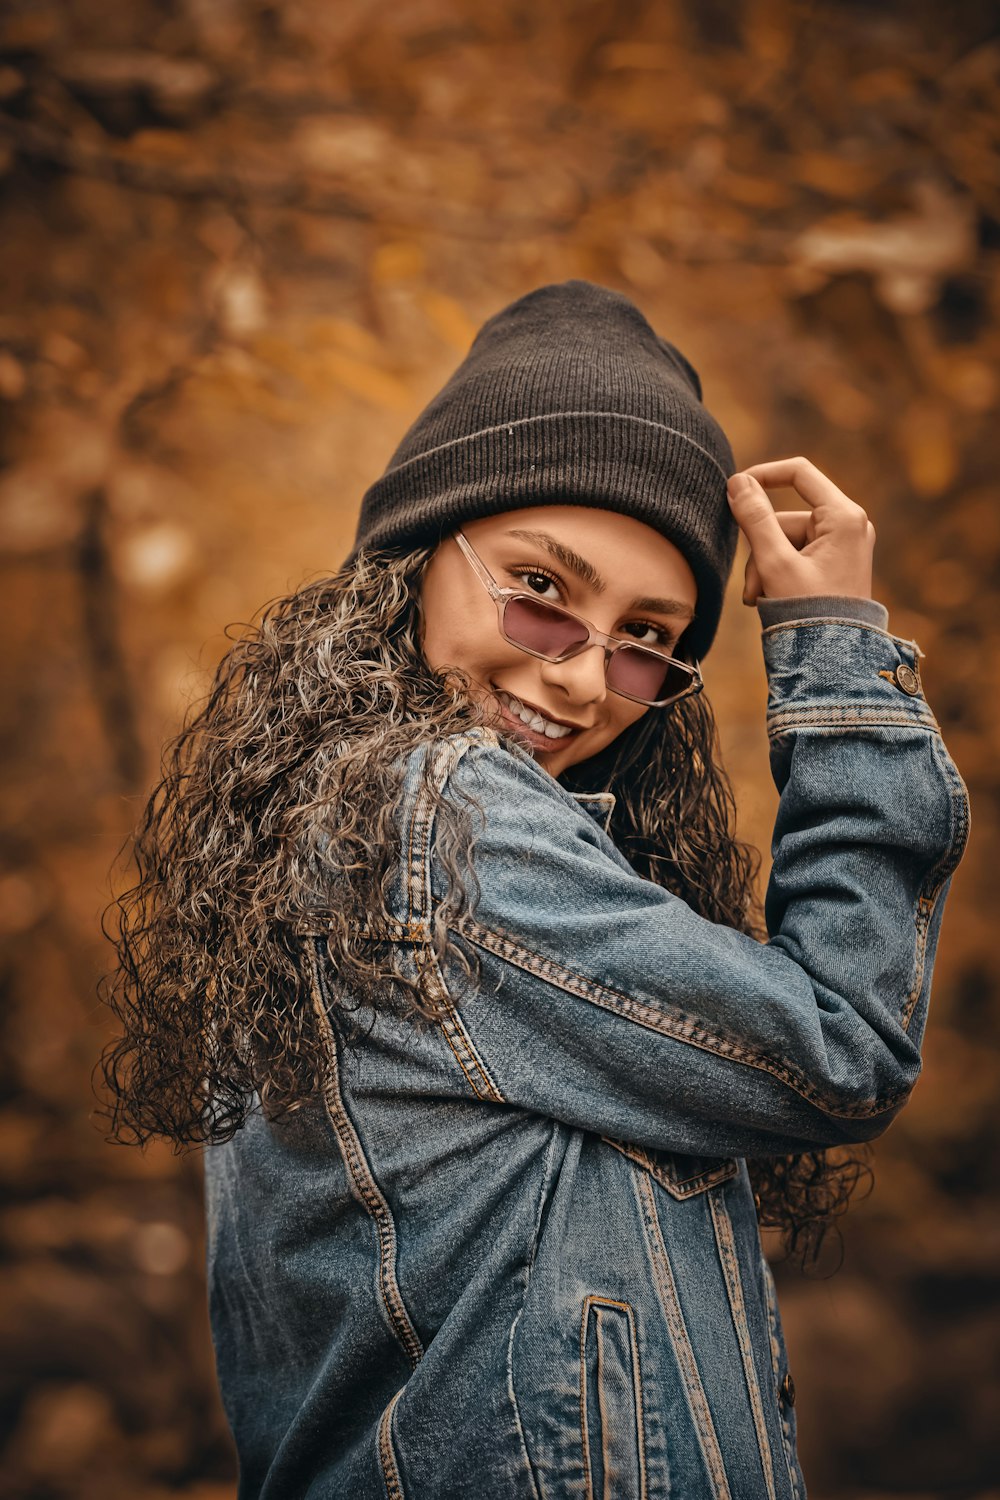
(543, 733)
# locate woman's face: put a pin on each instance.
(619, 574)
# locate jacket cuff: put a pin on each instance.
(841, 674)
(823, 606)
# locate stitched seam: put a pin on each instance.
(677, 1187)
(931, 890)
(832, 716)
(836, 620)
(393, 930)
(513, 1401)
(512, 1394)
(390, 1469)
(640, 1408)
(584, 1436)
(602, 1397)
(700, 1182)
(772, 1321)
(457, 1037)
(922, 922)
(861, 713)
(675, 1024)
(726, 1245)
(463, 1049)
(455, 1032)
(360, 1173)
(556, 416)
(788, 1441)
(410, 882)
(595, 1302)
(666, 1287)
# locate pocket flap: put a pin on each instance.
(681, 1176)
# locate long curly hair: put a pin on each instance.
(274, 819)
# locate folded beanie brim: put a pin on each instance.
(605, 460)
(567, 396)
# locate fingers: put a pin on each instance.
(755, 515)
(752, 587)
(802, 476)
(826, 549)
(797, 525)
(753, 511)
(832, 510)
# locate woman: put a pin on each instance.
(442, 942)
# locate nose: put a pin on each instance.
(582, 678)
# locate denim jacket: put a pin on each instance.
(515, 1252)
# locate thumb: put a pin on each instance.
(754, 515)
(752, 586)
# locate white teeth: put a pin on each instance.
(533, 719)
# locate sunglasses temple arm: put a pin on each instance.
(485, 578)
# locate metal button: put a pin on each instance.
(907, 679)
(788, 1390)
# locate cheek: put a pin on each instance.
(455, 636)
(626, 713)
(445, 646)
(439, 640)
(430, 642)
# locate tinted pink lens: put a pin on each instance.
(539, 627)
(644, 676)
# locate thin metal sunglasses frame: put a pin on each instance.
(503, 596)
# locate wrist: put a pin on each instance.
(822, 606)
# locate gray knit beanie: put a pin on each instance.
(567, 397)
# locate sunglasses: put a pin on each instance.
(555, 634)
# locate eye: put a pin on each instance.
(538, 581)
(645, 633)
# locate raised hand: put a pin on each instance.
(826, 549)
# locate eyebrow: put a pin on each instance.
(589, 574)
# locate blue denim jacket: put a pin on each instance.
(515, 1253)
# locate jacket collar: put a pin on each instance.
(600, 805)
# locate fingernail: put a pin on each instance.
(738, 483)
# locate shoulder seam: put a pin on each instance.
(419, 915)
(668, 1021)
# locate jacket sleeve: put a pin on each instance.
(607, 1003)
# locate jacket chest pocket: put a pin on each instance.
(611, 1416)
(680, 1176)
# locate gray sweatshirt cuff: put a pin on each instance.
(823, 606)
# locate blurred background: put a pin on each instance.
(243, 242)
